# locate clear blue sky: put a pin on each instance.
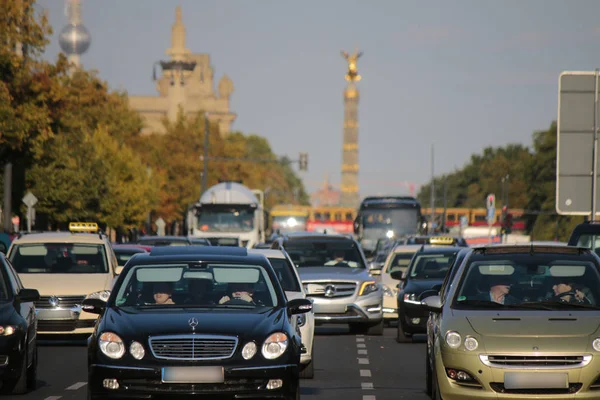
(461, 75)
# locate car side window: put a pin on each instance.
(14, 273)
(14, 283)
(450, 277)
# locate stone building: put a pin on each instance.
(192, 90)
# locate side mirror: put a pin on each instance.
(398, 275)
(118, 270)
(375, 268)
(299, 306)
(432, 303)
(93, 306)
(27, 295)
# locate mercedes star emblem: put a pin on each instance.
(535, 348)
(330, 291)
(193, 322)
(53, 300)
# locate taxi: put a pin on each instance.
(434, 240)
(398, 260)
(66, 268)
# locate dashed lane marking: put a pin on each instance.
(363, 351)
(77, 386)
(363, 360)
(53, 398)
(360, 339)
(369, 397)
(361, 345)
(365, 373)
(366, 385)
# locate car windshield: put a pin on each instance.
(123, 255)
(59, 258)
(544, 281)
(399, 262)
(401, 221)
(226, 219)
(207, 285)
(431, 265)
(286, 275)
(324, 253)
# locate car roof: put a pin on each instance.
(269, 253)
(149, 258)
(60, 237)
(317, 235)
(409, 248)
(440, 249)
(151, 237)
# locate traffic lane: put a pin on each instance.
(397, 369)
(62, 370)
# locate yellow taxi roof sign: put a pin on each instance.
(447, 240)
(83, 227)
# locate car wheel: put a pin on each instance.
(428, 379)
(308, 372)
(401, 336)
(435, 387)
(375, 330)
(32, 370)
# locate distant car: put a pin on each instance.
(18, 327)
(164, 241)
(397, 260)
(196, 241)
(288, 275)
(335, 275)
(516, 322)
(125, 252)
(196, 321)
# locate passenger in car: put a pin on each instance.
(569, 292)
(499, 290)
(162, 293)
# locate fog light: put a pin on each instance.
(452, 373)
(415, 320)
(274, 384)
(463, 376)
(110, 384)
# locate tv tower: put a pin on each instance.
(74, 38)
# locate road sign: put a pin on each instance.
(491, 214)
(160, 224)
(29, 199)
(576, 122)
(491, 201)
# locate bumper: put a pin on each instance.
(240, 382)
(344, 310)
(307, 331)
(56, 321)
(490, 381)
(390, 308)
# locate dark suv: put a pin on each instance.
(335, 275)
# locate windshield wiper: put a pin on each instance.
(551, 305)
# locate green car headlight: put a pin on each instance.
(596, 344)
(471, 343)
(453, 339)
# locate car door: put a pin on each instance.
(26, 309)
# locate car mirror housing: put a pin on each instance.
(27, 295)
(299, 306)
(432, 303)
(93, 306)
(398, 275)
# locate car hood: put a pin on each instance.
(326, 273)
(67, 284)
(235, 322)
(513, 325)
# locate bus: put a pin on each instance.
(331, 219)
(288, 218)
(387, 216)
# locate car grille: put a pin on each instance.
(64, 325)
(330, 289)
(535, 361)
(193, 347)
(499, 387)
(63, 302)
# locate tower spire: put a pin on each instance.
(178, 51)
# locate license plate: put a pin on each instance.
(536, 380)
(193, 375)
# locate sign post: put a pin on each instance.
(30, 201)
(491, 213)
(577, 144)
(160, 225)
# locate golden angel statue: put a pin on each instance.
(352, 75)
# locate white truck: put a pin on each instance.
(229, 214)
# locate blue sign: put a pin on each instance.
(491, 213)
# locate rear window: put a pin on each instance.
(431, 266)
(59, 258)
(399, 262)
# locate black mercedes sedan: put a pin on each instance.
(426, 271)
(196, 321)
(18, 327)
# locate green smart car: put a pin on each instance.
(517, 322)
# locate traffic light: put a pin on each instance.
(303, 162)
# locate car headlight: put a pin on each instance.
(7, 330)
(368, 287)
(102, 295)
(387, 291)
(275, 345)
(301, 319)
(453, 339)
(410, 297)
(137, 350)
(596, 344)
(249, 350)
(111, 345)
(471, 343)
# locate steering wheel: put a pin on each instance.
(237, 302)
(574, 294)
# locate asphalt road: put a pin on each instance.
(347, 367)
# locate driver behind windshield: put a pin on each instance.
(569, 292)
(499, 290)
(239, 291)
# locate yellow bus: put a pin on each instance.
(288, 218)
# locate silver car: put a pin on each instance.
(335, 276)
(291, 284)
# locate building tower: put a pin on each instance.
(349, 187)
(74, 39)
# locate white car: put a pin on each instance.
(397, 260)
(292, 285)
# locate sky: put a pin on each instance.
(455, 75)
